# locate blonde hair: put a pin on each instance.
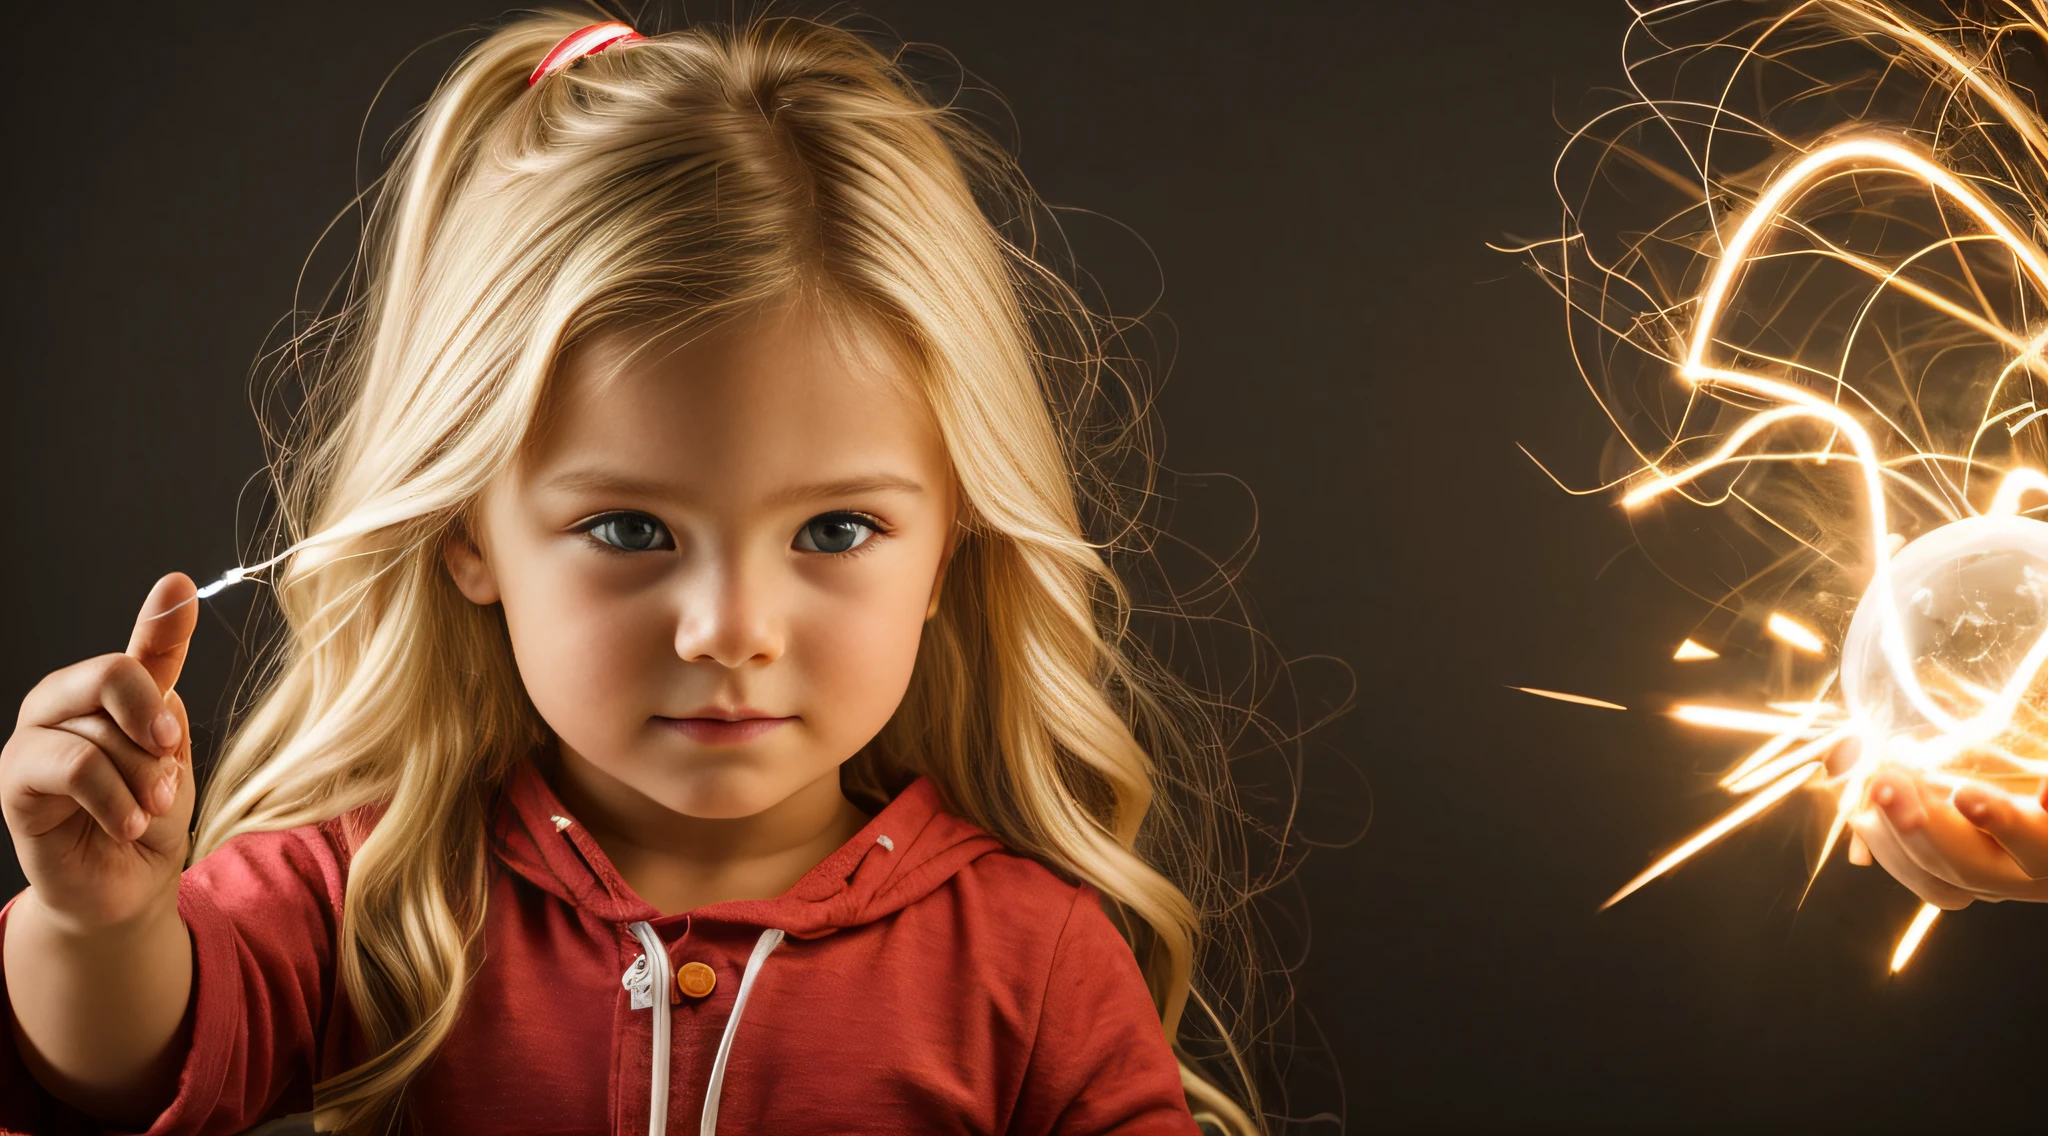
(687, 179)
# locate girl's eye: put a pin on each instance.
(835, 532)
(630, 532)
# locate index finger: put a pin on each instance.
(163, 629)
(2020, 827)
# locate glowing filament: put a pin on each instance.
(1688, 651)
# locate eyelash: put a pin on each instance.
(588, 528)
(877, 531)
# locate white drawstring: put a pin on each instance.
(769, 940)
(648, 979)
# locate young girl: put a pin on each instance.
(706, 703)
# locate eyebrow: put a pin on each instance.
(605, 482)
(845, 487)
(600, 481)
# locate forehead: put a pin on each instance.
(753, 403)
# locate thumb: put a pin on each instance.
(163, 629)
(176, 704)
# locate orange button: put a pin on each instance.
(695, 979)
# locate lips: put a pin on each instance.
(715, 727)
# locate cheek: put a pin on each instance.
(584, 653)
(858, 646)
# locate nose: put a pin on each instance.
(729, 616)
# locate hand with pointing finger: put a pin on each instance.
(96, 785)
(96, 781)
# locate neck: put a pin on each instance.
(678, 862)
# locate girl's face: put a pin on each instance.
(717, 559)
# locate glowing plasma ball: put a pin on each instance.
(1971, 599)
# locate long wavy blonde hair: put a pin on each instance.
(688, 179)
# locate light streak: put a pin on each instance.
(1577, 699)
(228, 579)
(2016, 485)
(1789, 630)
(1777, 767)
(1759, 757)
(1921, 324)
(1742, 721)
(1690, 651)
(1817, 709)
(242, 574)
(1742, 814)
(1915, 931)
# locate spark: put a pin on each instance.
(1771, 770)
(1576, 699)
(1743, 721)
(245, 573)
(1759, 757)
(1688, 651)
(1915, 931)
(1791, 631)
(1742, 814)
(227, 580)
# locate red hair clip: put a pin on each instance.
(582, 42)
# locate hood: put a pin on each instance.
(906, 852)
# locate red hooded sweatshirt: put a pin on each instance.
(922, 978)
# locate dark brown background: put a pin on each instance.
(1316, 184)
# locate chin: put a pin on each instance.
(729, 790)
